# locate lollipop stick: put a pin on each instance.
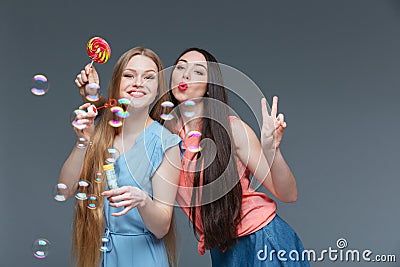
(91, 64)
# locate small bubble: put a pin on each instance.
(74, 121)
(40, 248)
(167, 117)
(82, 190)
(82, 143)
(120, 112)
(115, 123)
(194, 134)
(60, 192)
(99, 177)
(40, 85)
(167, 104)
(189, 103)
(111, 155)
(188, 114)
(92, 92)
(92, 202)
(124, 101)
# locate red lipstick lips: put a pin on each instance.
(182, 86)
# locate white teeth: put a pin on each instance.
(137, 94)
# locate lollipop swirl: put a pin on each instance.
(98, 50)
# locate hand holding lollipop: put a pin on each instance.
(88, 80)
(88, 83)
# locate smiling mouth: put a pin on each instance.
(136, 93)
(182, 86)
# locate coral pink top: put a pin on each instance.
(257, 208)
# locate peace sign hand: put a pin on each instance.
(273, 126)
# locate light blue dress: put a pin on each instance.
(130, 242)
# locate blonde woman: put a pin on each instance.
(134, 218)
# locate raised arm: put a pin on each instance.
(70, 171)
(276, 176)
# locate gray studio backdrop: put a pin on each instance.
(333, 64)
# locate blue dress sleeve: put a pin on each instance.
(165, 140)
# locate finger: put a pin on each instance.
(120, 198)
(93, 76)
(123, 212)
(91, 115)
(77, 82)
(264, 111)
(84, 106)
(114, 192)
(81, 116)
(282, 120)
(125, 203)
(79, 126)
(84, 76)
(280, 130)
(82, 121)
(274, 108)
(87, 68)
(88, 115)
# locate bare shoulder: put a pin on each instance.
(239, 131)
(242, 133)
(239, 127)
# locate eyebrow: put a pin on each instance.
(196, 64)
(149, 70)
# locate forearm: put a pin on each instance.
(156, 219)
(283, 179)
(70, 172)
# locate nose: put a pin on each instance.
(186, 74)
(138, 81)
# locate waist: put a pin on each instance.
(109, 232)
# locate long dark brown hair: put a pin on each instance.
(219, 216)
(88, 226)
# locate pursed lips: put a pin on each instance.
(183, 86)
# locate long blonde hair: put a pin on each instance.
(88, 226)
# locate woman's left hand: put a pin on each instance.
(128, 197)
(273, 125)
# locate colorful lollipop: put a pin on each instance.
(98, 50)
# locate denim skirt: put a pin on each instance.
(276, 244)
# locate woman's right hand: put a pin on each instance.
(87, 76)
(85, 120)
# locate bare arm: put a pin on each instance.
(70, 171)
(278, 178)
(157, 212)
